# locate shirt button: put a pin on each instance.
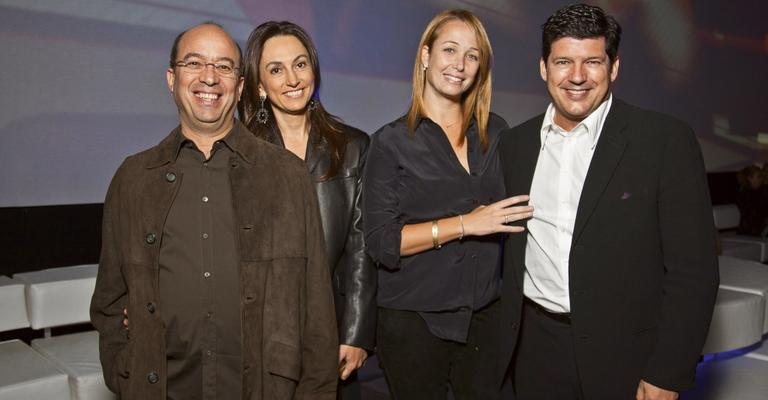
(205, 199)
(153, 377)
(205, 236)
(151, 308)
(208, 353)
(209, 315)
(170, 177)
(150, 238)
(207, 274)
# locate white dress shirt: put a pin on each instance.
(555, 192)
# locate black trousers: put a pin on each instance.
(349, 389)
(545, 361)
(420, 366)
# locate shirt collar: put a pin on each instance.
(593, 123)
(471, 128)
(238, 139)
(233, 139)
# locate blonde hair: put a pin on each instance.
(477, 100)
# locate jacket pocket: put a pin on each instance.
(122, 370)
(283, 360)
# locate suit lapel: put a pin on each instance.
(529, 156)
(610, 148)
(523, 158)
(520, 158)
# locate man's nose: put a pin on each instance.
(578, 74)
(208, 75)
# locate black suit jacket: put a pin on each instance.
(643, 265)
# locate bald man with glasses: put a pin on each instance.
(212, 281)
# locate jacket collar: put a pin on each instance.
(315, 146)
(239, 139)
(608, 153)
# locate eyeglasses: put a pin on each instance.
(224, 68)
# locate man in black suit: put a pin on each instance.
(610, 292)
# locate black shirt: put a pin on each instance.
(199, 279)
(416, 178)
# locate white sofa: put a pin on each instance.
(727, 218)
(57, 297)
(24, 373)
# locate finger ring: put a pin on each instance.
(506, 218)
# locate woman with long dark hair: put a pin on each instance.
(280, 104)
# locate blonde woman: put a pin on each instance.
(434, 216)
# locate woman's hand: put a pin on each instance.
(483, 220)
(350, 359)
(496, 217)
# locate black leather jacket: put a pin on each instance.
(354, 274)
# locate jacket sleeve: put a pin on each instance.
(110, 295)
(690, 261)
(319, 337)
(358, 324)
(382, 222)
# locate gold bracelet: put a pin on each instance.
(435, 233)
(461, 222)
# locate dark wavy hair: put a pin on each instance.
(329, 127)
(581, 21)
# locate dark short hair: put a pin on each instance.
(581, 21)
(175, 47)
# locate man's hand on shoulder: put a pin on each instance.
(646, 391)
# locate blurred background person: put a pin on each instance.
(752, 200)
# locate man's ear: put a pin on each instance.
(170, 77)
(240, 83)
(615, 68)
(543, 69)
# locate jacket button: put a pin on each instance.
(153, 377)
(170, 177)
(151, 308)
(513, 325)
(150, 238)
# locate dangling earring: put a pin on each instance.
(262, 116)
(423, 68)
(312, 106)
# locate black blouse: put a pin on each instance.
(417, 178)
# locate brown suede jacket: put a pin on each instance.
(289, 336)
